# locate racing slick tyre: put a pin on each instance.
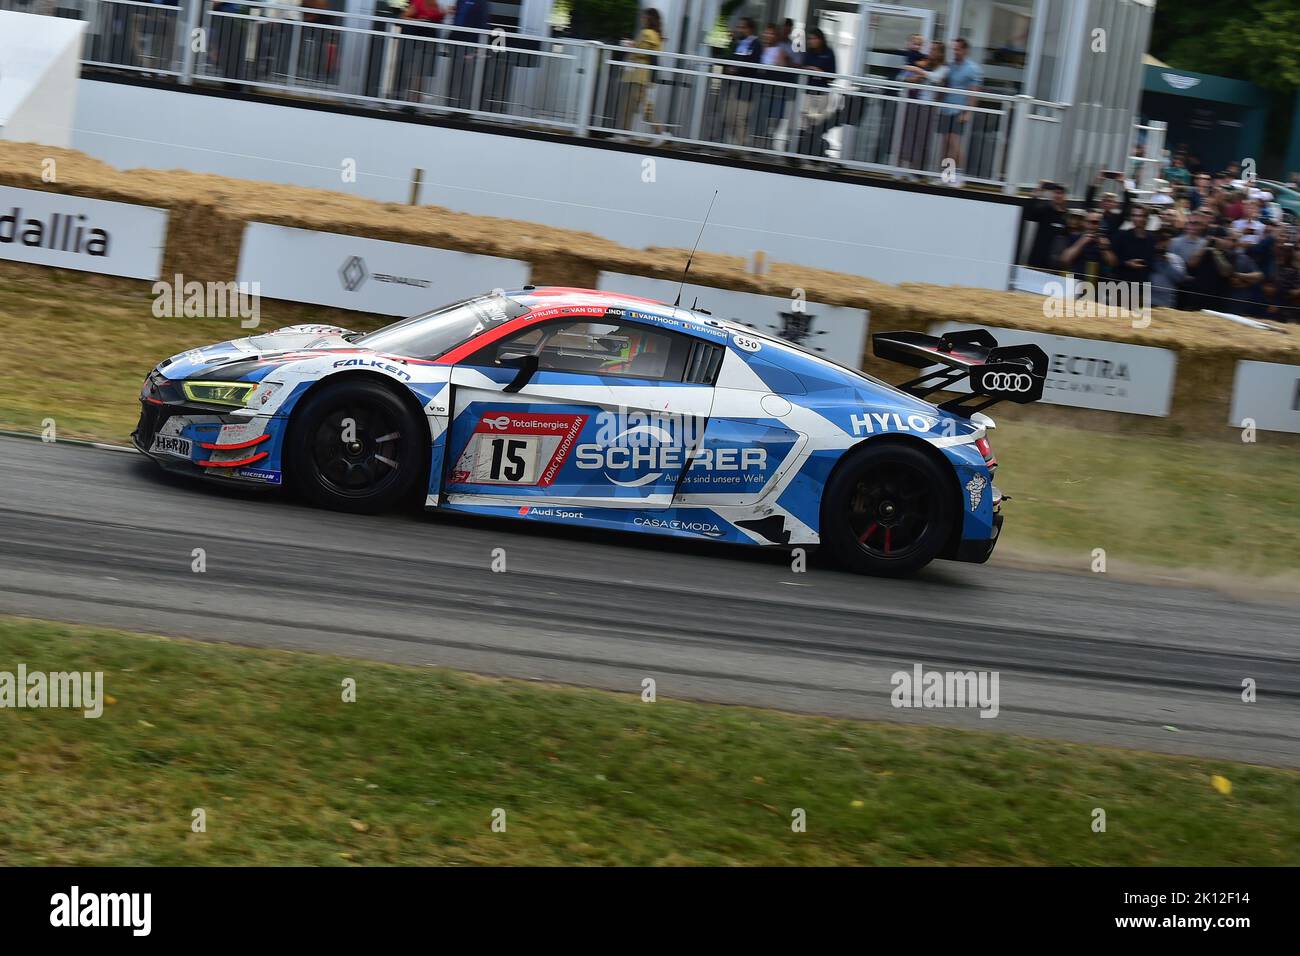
(355, 446)
(888, 510)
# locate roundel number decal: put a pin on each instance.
(746, 343)
(1008, 382)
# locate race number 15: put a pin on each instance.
(508, 461)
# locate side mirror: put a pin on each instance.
(516, 359)
(526, 363)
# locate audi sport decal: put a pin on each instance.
(517, 448)
(530, 511)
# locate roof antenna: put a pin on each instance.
(678, 301)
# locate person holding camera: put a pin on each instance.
(1050, 211)
(1088, 255)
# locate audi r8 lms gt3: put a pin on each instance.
(614, 412)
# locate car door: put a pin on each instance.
(596, 410)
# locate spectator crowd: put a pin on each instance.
(1203, 239)
(934, 123)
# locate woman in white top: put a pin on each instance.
(920, 119)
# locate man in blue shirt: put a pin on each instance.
(955, 118)
(473, 14)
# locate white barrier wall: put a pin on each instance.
(892, 235)
(1268, 394)
(1089, 373)
(73, 232)
(40, 67)
(366, 275)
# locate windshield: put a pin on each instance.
(431, 334)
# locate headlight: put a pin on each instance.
(218, 393)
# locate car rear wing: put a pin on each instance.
(1012, 372)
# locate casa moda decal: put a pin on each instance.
(72, 232)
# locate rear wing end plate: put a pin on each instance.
(1015, 373)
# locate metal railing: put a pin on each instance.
(583, 88)
(846, 121)
(379, 61)
(133, 34)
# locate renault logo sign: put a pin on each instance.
(353, 273)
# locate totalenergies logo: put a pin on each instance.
(500, 423)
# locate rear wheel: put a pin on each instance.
(355, 446)
(887, 510)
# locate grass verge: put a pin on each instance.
(78, 347)
(411, 772)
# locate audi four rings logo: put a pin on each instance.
(1007, 382)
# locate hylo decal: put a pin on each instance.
(873, 422)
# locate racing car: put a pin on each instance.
(609, 411)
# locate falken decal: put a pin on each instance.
(383, 366)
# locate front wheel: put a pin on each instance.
(356, 446)
(888, 510)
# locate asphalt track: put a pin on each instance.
(102, 537)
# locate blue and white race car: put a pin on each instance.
(610, 411)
